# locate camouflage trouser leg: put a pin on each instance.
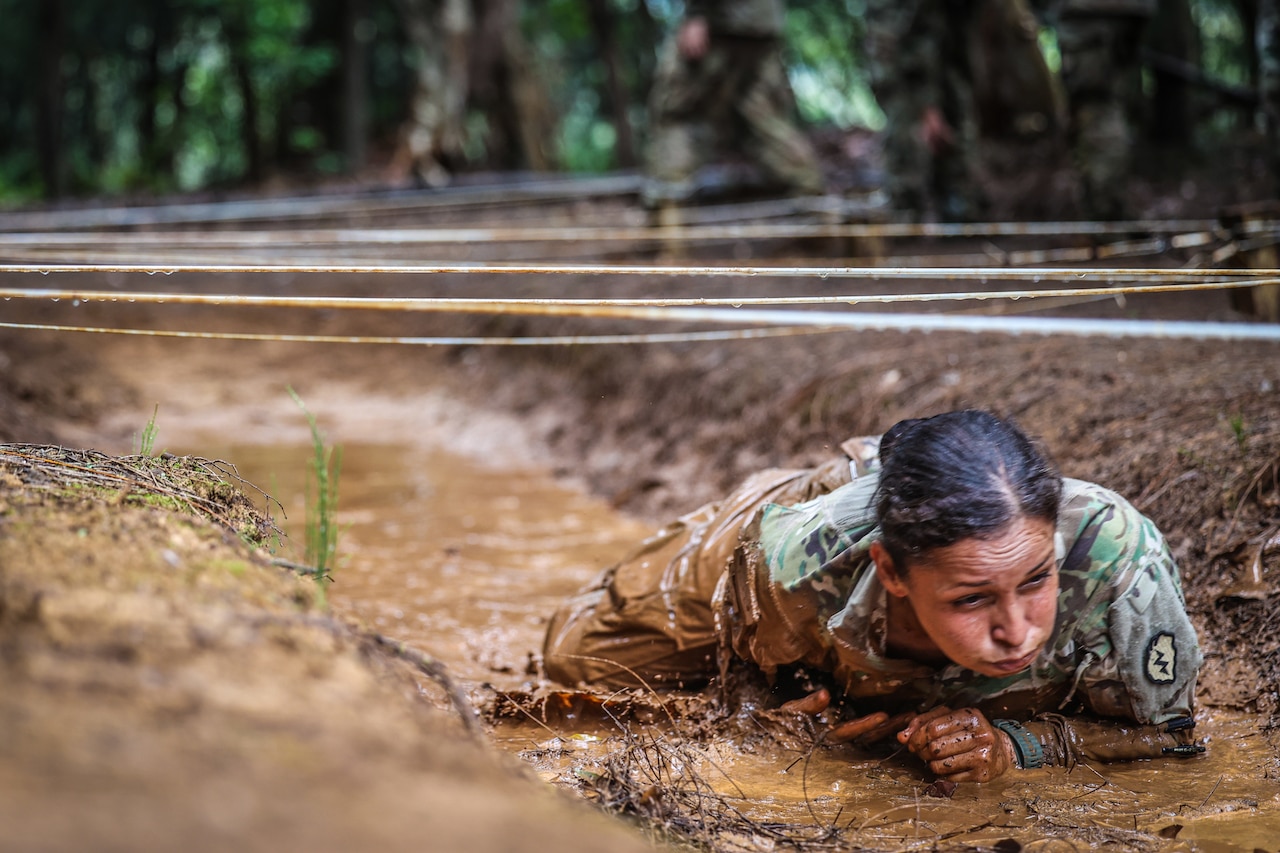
(1100, 76)
(680, 128)
(773, 139)
(695, 105)
(649, 619)
(918, 59)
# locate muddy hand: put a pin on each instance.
(813, 704)
(871, 728)
(960, 746)
(868, 729)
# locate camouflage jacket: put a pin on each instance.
(805, 592)
(760, 18)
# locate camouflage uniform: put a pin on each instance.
(918, 57)
(757, 578)
(739, 91)
(1100, 42)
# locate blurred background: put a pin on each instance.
(146, 97)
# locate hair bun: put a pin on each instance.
(895, 433)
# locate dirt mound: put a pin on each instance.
(166, 688)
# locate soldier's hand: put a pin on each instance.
(960, 746)
(868, 729)
(935, 131)
(693, 38)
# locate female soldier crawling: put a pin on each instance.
(973, 603)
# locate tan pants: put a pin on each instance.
(648, 620)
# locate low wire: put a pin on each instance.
(1036, 274)
(817, 320)
(631, 307)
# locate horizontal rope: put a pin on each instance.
(1189, 233)
(824, 320)
(319, 206)
(549, 340)
(289, 252)
(619, 307)
(1035, 274)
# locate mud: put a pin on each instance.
(1189, 430)
(467, 560)
(166, 688)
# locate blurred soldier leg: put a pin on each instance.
(920, 73)
(767, 106)
(735, 94)
(682, 105)
(1101, 78)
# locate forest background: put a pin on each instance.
(144, 97)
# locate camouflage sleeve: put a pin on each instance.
(1148, 674)
(1138, 672)
(1066, 741)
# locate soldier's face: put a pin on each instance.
(987, 604)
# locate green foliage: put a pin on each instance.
(163, 95)
(1225, 53)
(1239, 430)
(321, 536)
(827, 65)
(147, 440)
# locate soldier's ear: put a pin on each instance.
(890, 578)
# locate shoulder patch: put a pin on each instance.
(1162, 659)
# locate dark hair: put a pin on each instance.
(956, 476)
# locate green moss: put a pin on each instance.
(235, 567)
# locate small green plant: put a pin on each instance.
(321, 524)
(1239, 429)
(147, 440)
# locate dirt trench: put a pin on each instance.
(1189, 430)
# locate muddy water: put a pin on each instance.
(455, 558)
(465, 561)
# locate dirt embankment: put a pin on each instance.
(166, 688)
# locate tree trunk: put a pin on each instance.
(149, 84)
(49, 98)
(1173, 33)
(249, 133)
(616, 101)
(1015, 93)
(355, 86)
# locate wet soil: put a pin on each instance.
(1189, 430)
(166, 687)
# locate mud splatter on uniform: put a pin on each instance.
(779, 574)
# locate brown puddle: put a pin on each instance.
(460, 560)
(466, 562)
